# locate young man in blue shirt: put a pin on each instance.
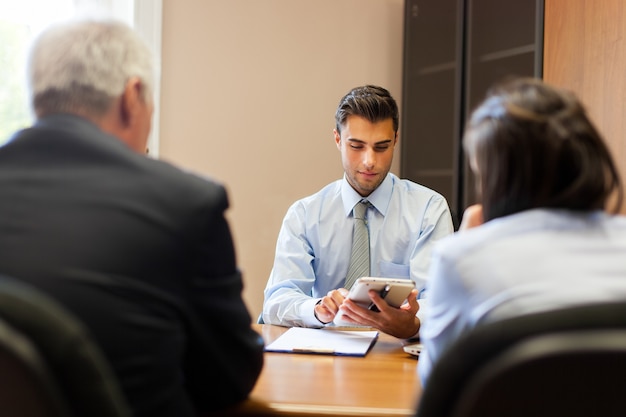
(405, 219)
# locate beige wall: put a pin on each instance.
(249, 89)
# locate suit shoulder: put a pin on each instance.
(185, 183)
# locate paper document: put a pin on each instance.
(329, 342)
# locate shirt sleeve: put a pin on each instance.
(446, 314)
(288, 294)
(436, 224)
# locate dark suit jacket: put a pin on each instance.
(141, 252)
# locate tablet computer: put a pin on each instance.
(393, 290)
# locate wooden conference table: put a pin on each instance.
(383, 383)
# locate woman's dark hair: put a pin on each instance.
(532, 145)
(371, 102)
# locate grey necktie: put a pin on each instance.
(360, 257)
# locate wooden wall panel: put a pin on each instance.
(585, 51)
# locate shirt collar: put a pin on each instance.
(379, 198)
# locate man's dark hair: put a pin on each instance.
(371, 102)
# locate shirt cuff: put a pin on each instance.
(307, 312)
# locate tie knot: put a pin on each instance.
(360, 208)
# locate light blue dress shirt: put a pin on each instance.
(532, 261)
(315, 240)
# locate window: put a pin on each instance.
(19, 25)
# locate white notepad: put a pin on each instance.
(324, 341)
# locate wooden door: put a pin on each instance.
(585, 51)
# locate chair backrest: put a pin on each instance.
(26, 387)
(568, 362)
(52, 364)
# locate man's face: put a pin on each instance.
(366, 152)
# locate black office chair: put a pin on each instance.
(49, 365)
(570, 362)
(26, 387)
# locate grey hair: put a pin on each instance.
(83, 65)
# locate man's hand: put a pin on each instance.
(399, 322)
(326, 309)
